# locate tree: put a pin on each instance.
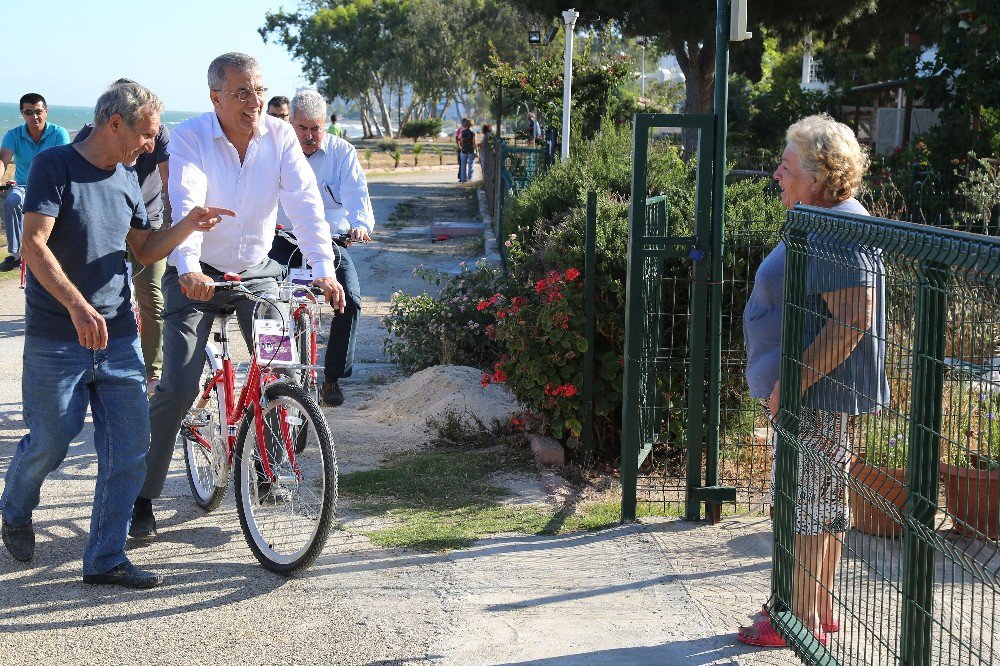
(688, 29)
(967, 82)
(415, 51)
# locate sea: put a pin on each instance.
(75, 117)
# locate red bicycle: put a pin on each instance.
(276, 441)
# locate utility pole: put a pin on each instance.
(569, 18)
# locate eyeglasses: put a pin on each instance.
(35, 112)
(244, 94)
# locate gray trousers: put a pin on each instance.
(187, 325)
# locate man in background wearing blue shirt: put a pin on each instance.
(22, 144)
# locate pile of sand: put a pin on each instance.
(394, 418)
(434, 392)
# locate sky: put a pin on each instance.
(72, 49)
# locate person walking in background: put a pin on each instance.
(335, 129)
(236, 156)
(534, 130)
(843, 364)
(458, 145)
(486, 139)
(83, 206)
(348, 210)
(21, 144)
(277, 107)
(151, 169)
(467, 151)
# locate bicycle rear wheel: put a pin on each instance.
(203, 438)
(286, 518)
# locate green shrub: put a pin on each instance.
(548, 240)
(396, 156)
(387, 144)
(368, 157)
(426, 330)
(419, 128)
(417, 149)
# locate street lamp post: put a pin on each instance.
(569, 17)
(641, 41)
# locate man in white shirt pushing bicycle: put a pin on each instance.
(348, 211)
(237, 157)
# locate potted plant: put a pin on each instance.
(878, 488)
(972, 479)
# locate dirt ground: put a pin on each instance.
(657, 592)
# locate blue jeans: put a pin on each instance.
(465, 162)
(61, 378)
(13, 218)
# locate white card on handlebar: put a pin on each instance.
(274, 342)
(300, 275)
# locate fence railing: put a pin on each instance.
(890, 384)
(517, 167)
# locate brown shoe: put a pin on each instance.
(331, 394)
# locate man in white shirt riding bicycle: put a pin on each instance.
(348, 210)
(237, 157)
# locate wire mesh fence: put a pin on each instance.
(518, 167)
(887, 510)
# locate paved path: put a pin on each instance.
(664, 592)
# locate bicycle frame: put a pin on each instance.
(251, 395)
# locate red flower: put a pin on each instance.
(501, 314)
(499, 375)
(572, 274)
(483, 305)
(540, 287)
(569, 390)
(555, 296)
(485, 381)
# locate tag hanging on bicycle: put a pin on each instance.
(274, 343)
(300, 276)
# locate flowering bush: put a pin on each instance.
(448, 327)
(541, 330)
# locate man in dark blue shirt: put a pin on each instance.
(152, 170)
(81, 347)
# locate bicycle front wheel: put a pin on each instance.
(286, 506)
(203, 438)
(305, 344)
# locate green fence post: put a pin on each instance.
(922, 465)
(633, 321)
(589, 290)
(698, 337)
(790, 399)
(723, 10)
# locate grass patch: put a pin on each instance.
(404, 212)
(444, 500)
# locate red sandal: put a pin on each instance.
(767, 636)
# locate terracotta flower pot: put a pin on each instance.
(973, 500)
(888, 483)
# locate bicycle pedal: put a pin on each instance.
(194, 423)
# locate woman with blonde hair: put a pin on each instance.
(842, 366)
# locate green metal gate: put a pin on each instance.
(666, 384)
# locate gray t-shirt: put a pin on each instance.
(858, 385)
(147, 171)
(94, 209)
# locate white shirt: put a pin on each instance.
(205, 170)
(343, 186)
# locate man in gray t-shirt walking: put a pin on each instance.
(83, 206)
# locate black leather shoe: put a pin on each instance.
(9, 264)
(125, 574)
(331, 394)
(20, 540)
(143, 525)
